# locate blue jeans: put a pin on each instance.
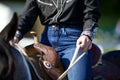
(63, 39)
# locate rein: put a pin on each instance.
(73, 62)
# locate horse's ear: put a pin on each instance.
(9, 31)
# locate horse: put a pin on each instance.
(36, 64)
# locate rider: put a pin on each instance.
(68, 23)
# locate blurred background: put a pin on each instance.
(108, 35)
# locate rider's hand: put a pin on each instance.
(13, 41)
(16, 38)
(84, 42)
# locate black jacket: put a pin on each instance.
(83, 13)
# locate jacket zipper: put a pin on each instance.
(49, 4)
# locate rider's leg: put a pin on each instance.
(82, 69)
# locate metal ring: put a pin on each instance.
(47, 64)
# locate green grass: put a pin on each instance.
(108, 22)
(109, 49)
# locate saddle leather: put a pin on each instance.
(47, 59)
(96, 55)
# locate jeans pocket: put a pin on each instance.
(72, 33)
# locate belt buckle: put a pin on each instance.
(55, 27)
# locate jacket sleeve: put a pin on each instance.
(27, 18)
(91, 16)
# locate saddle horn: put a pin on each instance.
(35, 37)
